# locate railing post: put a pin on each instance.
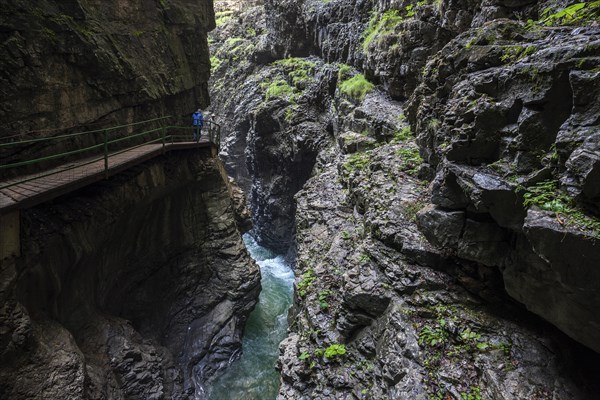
(105, 154)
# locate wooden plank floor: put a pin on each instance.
(47, 185)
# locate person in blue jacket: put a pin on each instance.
(197, 121)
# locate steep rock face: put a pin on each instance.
(511, 123)
(78, 63)
(276, 123)
(138, 287)
(500, 94)
(369, 280)
(390, 41)
(398, 298)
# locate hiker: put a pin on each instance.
(198, 121)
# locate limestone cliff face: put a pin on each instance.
(87, 62)
(423, 220)
(516, 152)
(270, 142)
(137, 287)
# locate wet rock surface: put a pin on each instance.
(507, 133)
(368, 279)
(271, 140)
(422, 222)
(138, 287)
(86, 63)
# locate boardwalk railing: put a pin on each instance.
(91, 146)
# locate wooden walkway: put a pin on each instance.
(47, 185)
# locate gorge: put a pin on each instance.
(430, 169)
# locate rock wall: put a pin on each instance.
(515, 147)
(89, 63)
(136, 287)
(423, 221)
(270, 142)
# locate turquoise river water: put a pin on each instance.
(253, 376)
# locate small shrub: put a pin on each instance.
(474, 393)
(582, 13)
(434, 335)
(323, 295)
(307, 280)
(548, 196)
(468, 335)
(278, 88)
(335, 350)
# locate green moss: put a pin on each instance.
(433, 124)
(236, 49)
(233, 42)
(356, 87)
(402, 135)
(215, 63)
(412, 208)
(357, 161)
(290, 113)
(224, 13)
(278, 88)
(299, 70)
(512, 54)
(50, 34)
(381, 25)
(67, 20)
(220, 21)
(410, 160)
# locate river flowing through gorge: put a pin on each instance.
(253, 376)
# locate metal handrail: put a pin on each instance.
(69, 135)
(214, 137)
